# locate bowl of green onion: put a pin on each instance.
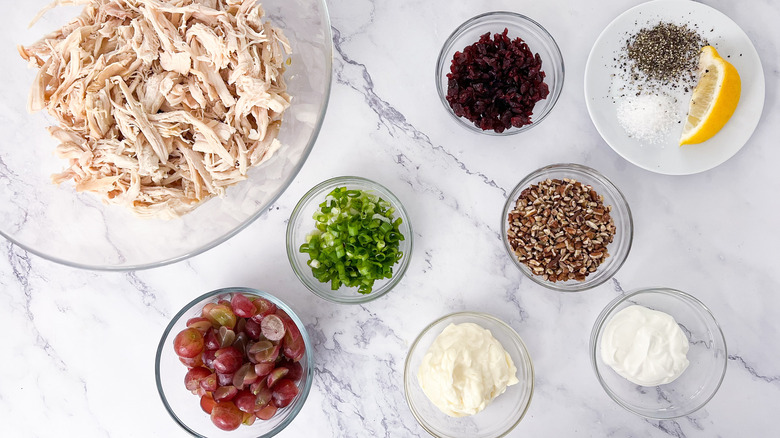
(349, 240)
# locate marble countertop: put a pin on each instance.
(78, 354)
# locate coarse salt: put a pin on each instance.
(648, 117)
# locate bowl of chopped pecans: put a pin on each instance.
(567, 227)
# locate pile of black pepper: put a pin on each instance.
(665, 53)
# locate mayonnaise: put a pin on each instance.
(645, 346)
(465, 369)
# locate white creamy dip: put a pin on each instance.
(465, 369)
(645, 346)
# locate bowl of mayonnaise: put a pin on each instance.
(469, 375)
(658, 353)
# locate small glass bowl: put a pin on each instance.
(707, 356)
(185, 408)
(500, 416)
(539, 41)
(301, 224)
(621, 215)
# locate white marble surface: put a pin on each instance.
(78, 353)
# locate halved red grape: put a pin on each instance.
(208, 358)
(264, 308)
(210, 340)
(224, 393)
(243, 306)
(245, 401)
(276, 375)
(200, 324)
(188, 343)
(194, 376)
(192, 362)
(264, 351)
(228, 360)
(296, 369)
(223, 314)
(226, 416)
(263, 396)
(267, 412)
(240, 342)
(224, 379)
(294, 348)
(264, 368)
(249, 419)
(252, 329)
(209, 383)
(272, 328)
(284, 392)
(207, 403)
(225, 337)
(245, 376)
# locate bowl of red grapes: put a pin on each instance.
(235, 362)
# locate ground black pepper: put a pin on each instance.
(666, 52)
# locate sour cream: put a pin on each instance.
(645, 346)
(465, 369)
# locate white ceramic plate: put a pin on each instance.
(667, 157)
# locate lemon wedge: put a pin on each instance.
(714, 99)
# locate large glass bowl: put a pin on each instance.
(539, 41)
(621, 215)
(707, 356)
(184, 406)
(502, 414)
(75, 229)
(301, 224)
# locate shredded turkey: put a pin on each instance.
(161, 104)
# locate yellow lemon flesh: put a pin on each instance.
(714, 99)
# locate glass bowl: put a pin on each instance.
(301, 224)
(621, 215)
(539, 41)
(707, 356)
(185, 408)
(76, 229)
(500, 416)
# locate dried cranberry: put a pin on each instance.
(496, 82)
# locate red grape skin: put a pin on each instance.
(188, 343)
(275, 375)
(267, 412)
(192, 362)
(209, 383)
(264, 308)
(245, 401)
(200, 324)
(224, 379)
(249, 419)
(225, 393)
(194, 376)
(243, 306)
(296, 370)
(210, 340)
(264, 368)
(207, 403)
(253, 329)
(228, 360)
(284, 392)
(226, 416)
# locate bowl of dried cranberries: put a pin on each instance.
(499, 73)
(235, 362)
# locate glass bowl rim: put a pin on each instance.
(677, 295)
(527, 365)
(603, 180)
(441, 62)
(295, 409)
(328, 37)
(295, 217)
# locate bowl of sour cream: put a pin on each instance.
(658, 353)
(468, 375)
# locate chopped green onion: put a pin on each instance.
(356, 241)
